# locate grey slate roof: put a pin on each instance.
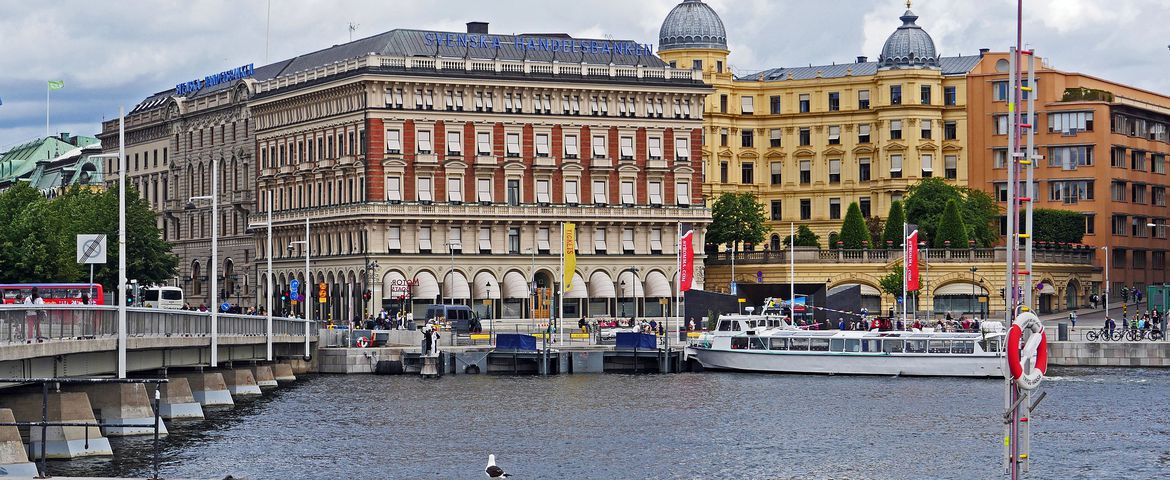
(950, 66)
(692, 24)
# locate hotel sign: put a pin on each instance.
(540, 44)
(215, 79)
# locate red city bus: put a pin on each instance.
(53, 293)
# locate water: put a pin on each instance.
(1095, 424)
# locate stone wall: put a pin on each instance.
(1115, 354)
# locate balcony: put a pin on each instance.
(325, 163)
(496, 212)
(933, 255)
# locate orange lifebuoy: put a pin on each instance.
(363, 342)
(1027, 380)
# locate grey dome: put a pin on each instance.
(692, 24)
(909, 46)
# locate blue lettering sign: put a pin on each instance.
(541, 44)
(215, 79)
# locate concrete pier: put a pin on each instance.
(300, 366)
(61, 442)
(208, 388)
(13, 459)
(283, 372)
(126, 404)
(177, 400)
(430, 367)
(264, 377)
(240, 382)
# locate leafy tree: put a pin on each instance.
(875, 227)
(891, 283)
(737, 218)
(893, 232)
(980, 216)
(951, 229)
(1061, 226)
(926, 200)
(853, 229)
(804, 238)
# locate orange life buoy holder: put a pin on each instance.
(1027, 363)
(363, 342)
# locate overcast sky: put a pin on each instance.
(112, 53)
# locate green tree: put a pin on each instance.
(1061, 226)
(951, 230)
(893, 232)
(737, 218)
(853, 229)
(804, 238)
(926, 200)
(891, 283)
(875, 227)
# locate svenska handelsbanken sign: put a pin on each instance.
(215, 79)
(541, 44)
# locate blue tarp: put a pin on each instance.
(515, 341)
(636, 340)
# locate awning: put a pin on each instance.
(455, 286)
(632, 286)
(657, 285)
(515, 286)
(600, 285)
(960, 288)
(866, 290)
(578, 289)
(1046, 289)
(427, 287)
(394, 285)
(486, 286)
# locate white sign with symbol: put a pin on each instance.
(91, 249)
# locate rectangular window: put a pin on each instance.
(925, 96)
(999, 91)
(805, 209)
(951, 164)
(805, 172)
(895, 166)
(776, 168)
(804, 103)
(656, 240)
(950, 96)
(1090, 224)
(950, 131)
(835, 170)
(599, 240)
(774, 137)
(1001, 192)
(1069, 158)
(424, 240)
(1001, 124)
(864, 205)
(682, 150)
(895, 94)
(1139, 194)
(600, 197)
(834, 208)
(1158, 195)
(513, 186)
(654, 191)
(543, 195)
(722, 137)
(834, 135)
(542, 240)
(598, 147)
(926, 129)
(1157, 163)
(483, 143)
(572, 195)
(747, 105)
(542, 148)
(455, 190)
(747, 173)
(1137, 160)
(394, 239)
(483, 190)
(863, 99)
(805, 136)
(895, 129)
(454, 145)
(393, 141)
(1117, 191)
(628, 240)
(774, 102)
(654, 148)
(513, 240)
(682, 193)
(1117, 157)
(927, 165)
(1070, 123)
(747, 138)
(393, 189)
(999, 157)
(627, 148)
(834, 101)
(424, 142)
(627, 193)
(776, 209)
(863, 169)
(722, 104)
(485, 240)
(423, 185)
(863, 133)
(513, 145)
(455, 239)
(571, 150)
(723, 172)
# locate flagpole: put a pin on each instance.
(561, 292)
(678, 283)
(792, 271)
(905, 275)
(47, 89)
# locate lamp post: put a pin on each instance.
(491, 311)
(973, 270)
(214, 198)
(634, 285)
(269, 283)
(451, 268)
(532, 285)
(1106, 249)
(121, 156)
(371, 272)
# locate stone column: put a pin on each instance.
(283, 372)
(208, 388)
(177, 400)
(13, 460)
(241, 382)
(126, 404)
(61, 442)
(264, 376)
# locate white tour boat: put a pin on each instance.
(769, 343)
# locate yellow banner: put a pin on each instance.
(570, 248)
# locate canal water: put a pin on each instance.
(1095, 424)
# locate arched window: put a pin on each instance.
(775, 242)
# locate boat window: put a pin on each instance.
(739, 343)
(852, 345)
(779, 344)
(871, 345)
(725, 325)
(798, 344)
(892, 346)
(837, 344)
(990, 345)
(940, 346)
(915, 346)
(963, 347)
(758, 343)
(818, 344)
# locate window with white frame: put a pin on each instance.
(572, 195)
(677, 108)
(895, 129)
(926, 124)
(393, 189)
(423, 185)
(599, 240)
(508, 102)
(835, 170)
(394, 239)
(542, 192)
(1070, 122)
(627, 148)
(485, 240)
(454, 145)
(895, 166)
(429, 99)
(863, 133)
(424, 142)
(600, 197)
(654, 148)
(484, 190)
(1001, 124)
(571, 149)
(593, 105)
(654, 190)
(656, 240)
(394, 98)
(513, 144)
(393, 141)
(575, 104)
(454, 189)
(747, 105)
(951, 166)
(927, 165)
(627, 193)
(455, 239)
(418, 99)
(658, 107)
(628, 240)
(682, 151)
(424, 239)
(542, 242)
(542, 149)
(834, 135)
(598, 146)
(483, 143)
(449, 100)
(682, 193)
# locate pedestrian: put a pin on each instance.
(33, 316)
(1072, 318)
(691, 326)
(840, 323)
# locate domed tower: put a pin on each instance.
(909, 46)
(693, 36)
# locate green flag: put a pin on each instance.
(56, 84)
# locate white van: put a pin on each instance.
(170, 298)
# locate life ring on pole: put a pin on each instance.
(1029, 362)
(363, 342)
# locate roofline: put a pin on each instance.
(1072, 73)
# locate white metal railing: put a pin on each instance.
(399, 210)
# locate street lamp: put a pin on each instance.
(121, 156)
(491, 311)
(450, 269)
(308, 279)
(269, 283)
(634, 285)
(532, 284)
(1107, 284)
(973, 270)
(214, 198)
(371, 272)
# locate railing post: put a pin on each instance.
(307, 326)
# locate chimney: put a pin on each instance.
(862, 59)
(477, 27)
(983, 51)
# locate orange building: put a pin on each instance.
(1104, 147)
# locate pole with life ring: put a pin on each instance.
(1027, 363)
(363, 342)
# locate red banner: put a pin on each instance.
(686, 261)
(912, 262)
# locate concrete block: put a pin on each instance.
(13, 459)
(240, 382)
(263, 374)
(61, 442)
(177, 400)
(208, 388)
(125, 404)
(588, 362)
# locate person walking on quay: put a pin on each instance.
(33, 316)
(1072, 318)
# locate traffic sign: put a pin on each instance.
(225, 307)
(759, 276)
(294, 286)
(733, 288)
(91, 249)
(321, 292)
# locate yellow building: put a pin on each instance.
(811, 140)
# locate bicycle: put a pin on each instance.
(1101, 334)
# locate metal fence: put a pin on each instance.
(23, 324)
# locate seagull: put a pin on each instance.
(492, 470)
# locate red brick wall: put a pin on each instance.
(615, 183)
(668, 197)
(640, 159)
(408, 190)
(697, 164)
(440, 145)
(585, 150)
(527, 152)
(558, 153)
(375, 150)
(500, 193)
(469, 150)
